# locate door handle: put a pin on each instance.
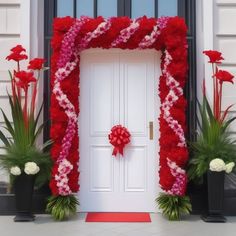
(151, 130)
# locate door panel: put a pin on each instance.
(101, 98)
(101, 169)
(135, 97)
(135, 169)
(117, 87)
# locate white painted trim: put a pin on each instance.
(25, 23)
(37, 45)
(37, 28)
(199, 48)
(208, 40)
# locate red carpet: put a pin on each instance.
(117, 217)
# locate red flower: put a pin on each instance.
(24, 79)
(214, 56)
(16, 57)
(36, 64)
(53, 187)
(224, 76)
(18, 49)
(17, 54)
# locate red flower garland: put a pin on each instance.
(119, 137)
(167, 35)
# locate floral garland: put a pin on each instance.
(70, 37)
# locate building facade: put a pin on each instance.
(29, 22)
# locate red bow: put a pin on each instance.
(119, 137)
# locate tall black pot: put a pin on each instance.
(24, 188)
(215, 197)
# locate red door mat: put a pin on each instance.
(117, 217)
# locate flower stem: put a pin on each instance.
(220, 99)
(214, 90)
(25, 109)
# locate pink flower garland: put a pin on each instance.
(175, 91)
(66, 66)
(149, 40)
(126, 33)
(101, 29)
(68, 43)
(179, 186)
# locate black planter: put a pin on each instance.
(215, 194)
(24, 187)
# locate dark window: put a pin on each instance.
(65, 8)
(167, 8)
(84, 8)
(131, 8)
(140, 8)
(107, 8)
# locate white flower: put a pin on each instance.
(15, 170)
(229, 167)
(31, 168)
(217, 164)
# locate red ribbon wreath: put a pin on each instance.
(119, 137)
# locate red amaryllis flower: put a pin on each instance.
(16, 57)
(214, 56)
(18, 49)
(36, 64)
(17, 54)
(24, 79)
(224, 76)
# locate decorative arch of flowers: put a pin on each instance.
(70, 37)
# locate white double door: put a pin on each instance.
(118, 87)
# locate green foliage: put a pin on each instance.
(21, 136)
(174, 206)
(20, 146)
(62, 207)
(214, 141)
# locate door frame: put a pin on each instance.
(157, 72)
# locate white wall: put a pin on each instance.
(14, 29)
(216, 30)
(204, 41)
(225, 41)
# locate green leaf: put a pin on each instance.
(46, 145)
(209, 111)
(10, 74)
(8, 123)
(173, 206)
(4, 139)
(227, 123)
(62, 207)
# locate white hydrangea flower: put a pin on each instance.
(15, 170)
(229, 167)
(31, 168)
(217, 165)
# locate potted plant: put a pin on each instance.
(214, 139)
(215, 189)
(26, 162)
